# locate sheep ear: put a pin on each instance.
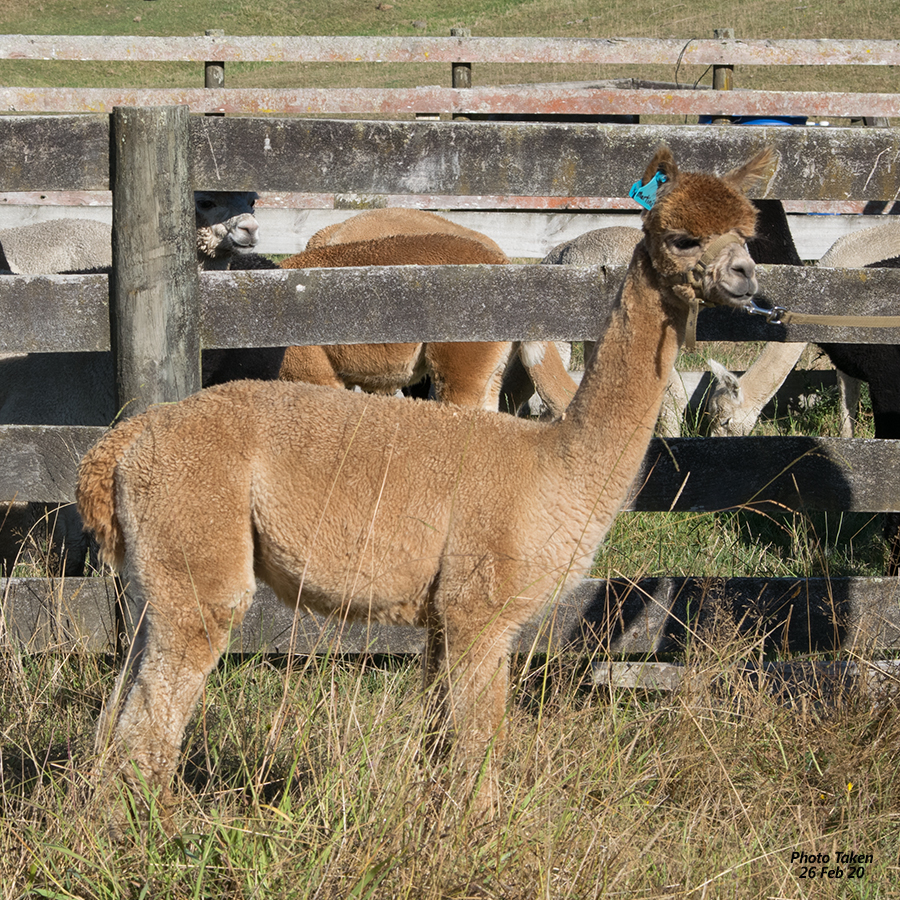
(725, 380)
(664, 162)
(757, 168)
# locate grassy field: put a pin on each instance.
(303, 778)
(569, 18)
(308, 784)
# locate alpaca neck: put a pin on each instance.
(610, 421)
(761, 381)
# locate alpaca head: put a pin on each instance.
(226, 225)
(697, 228)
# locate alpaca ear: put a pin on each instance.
(664, 162)
(758, 168)
(725, 379)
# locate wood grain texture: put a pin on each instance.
(154, 283)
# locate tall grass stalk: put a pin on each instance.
(706, 792)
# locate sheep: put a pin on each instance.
(864, 247)
(79, 388)
(467, 374)
(611, 246)
(368, 507)
(226, 227)
(57, 245)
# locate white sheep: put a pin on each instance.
(57, 245)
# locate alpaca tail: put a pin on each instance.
(95, 491)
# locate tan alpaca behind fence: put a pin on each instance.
(464, 373)
(464, 522)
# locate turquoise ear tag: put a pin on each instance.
(645, 194)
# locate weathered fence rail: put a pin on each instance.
(654, 616)
(599, 51)
(535, 159)
(590, 100)
(462, 165)
(267, 308)
(452, 159)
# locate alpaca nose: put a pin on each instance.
(247, 232)
(744, 267)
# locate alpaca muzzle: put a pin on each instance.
(694, 281)
(694, 277)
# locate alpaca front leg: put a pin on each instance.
(466, 678)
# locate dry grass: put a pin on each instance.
(310, 784)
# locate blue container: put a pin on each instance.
(757, 120)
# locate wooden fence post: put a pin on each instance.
(154, 286)
(214, 72)
(723, 76)
(461, 73)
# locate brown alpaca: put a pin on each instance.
(467, 374)
(375, 508)
(379, 223)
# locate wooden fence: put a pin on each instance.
(151, 158)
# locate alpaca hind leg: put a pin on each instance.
(309, 364)
(548, 370)
(142, 726)
(468, 374)
(478, 678)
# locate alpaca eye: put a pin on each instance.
(686, 243)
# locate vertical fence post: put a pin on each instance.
(723, 76)
(461, 73)
(154, 285)
(214, 72)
